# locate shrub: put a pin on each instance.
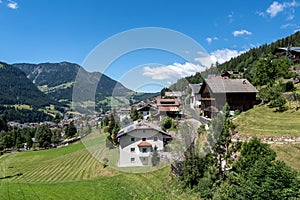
(289, 86)
(237, 112)
(167, 123)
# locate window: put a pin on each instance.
(144, 139)
(132, 139)
(144, 150)
(132, 159)
(155, 139)
(132, 150)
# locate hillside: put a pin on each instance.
(57, 80)
(262, 121)
(242, 63)
(16, 88)
(20, 99)
(72, 172)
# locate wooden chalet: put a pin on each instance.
(147, 110)
(230, 74)
(195, 95)
(293, 53)
(168, 107)
(240, 94)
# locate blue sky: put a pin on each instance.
(61, 30)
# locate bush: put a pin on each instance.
(237, 112)
(105, 162)
(290, 75)
(289, 86)
(278, 103)
(167, 123)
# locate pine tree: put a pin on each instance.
(155, 159)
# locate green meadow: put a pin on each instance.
(76, 172)
(264, 122)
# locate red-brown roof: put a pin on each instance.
(167, 102)
(165, 109)
(144, 144)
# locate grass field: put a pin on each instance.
(289, 153)
(263, 121)
(72, 172)
(46, 89)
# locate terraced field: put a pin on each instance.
(289, 153)
(65, 164)
(264, 122)
(72, 172)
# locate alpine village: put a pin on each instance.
(229, 132)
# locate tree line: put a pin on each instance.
(26, 138)
(235, 170)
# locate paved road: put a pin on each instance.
(194, 114)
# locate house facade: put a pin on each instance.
(195, 95)
(168, 107)
(293, 53)
(176, 94)
(240, 94)
(137, 141)
(147, 111)
(124, 113)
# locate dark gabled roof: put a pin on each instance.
(140, 126)
(219, 85)
(174, 94)
(195, 88)
(167, 102)
(147, 108)
(293, 49)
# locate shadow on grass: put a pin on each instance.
(11, 176)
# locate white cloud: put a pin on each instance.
(209, 39)
(220, 56)
(12, 5)
(276, 8)
(262, 14)
(230, 17)
(284, 26)
(241, 32)
(174, 71)
(296, 30)
(223, 55)
(178, 70)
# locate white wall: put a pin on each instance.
(126, 144)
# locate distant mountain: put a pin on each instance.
(20, 99)
(54, 79)
(57, 80)
(16, 88)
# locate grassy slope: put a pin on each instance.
(73, 173)
(262, 121)
(289, 153)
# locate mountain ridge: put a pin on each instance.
(58, 79)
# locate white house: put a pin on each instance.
(124, 113)
(147, 111)
(137, 141)
(195, 95)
